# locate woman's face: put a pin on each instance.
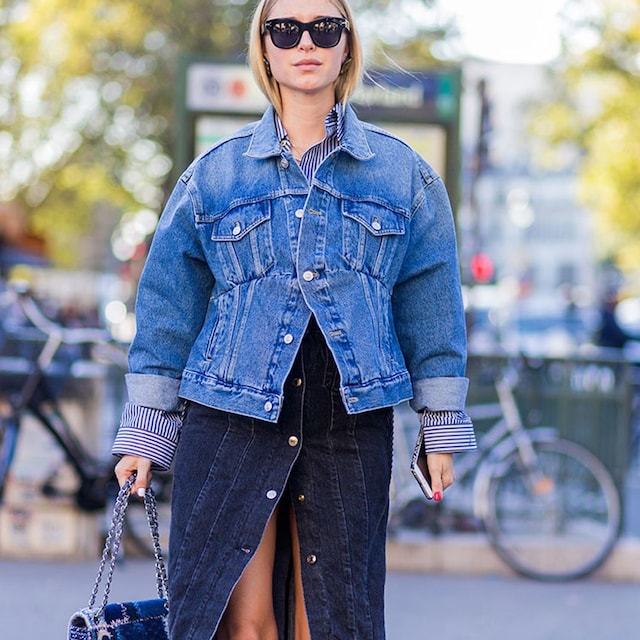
(305, 69)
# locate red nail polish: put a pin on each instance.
(437, 496)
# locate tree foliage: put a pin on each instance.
(88, 92)
(597, 109)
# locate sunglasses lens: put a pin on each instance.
(284, 33)
(326, 33)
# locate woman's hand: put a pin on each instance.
(133, 464)
(442, 472)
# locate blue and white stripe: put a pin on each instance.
(313, 157)
(148, 433)
(447, 431)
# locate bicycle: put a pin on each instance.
(33, 369)
(549, 507)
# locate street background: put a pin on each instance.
(39, 597)
(86, 164)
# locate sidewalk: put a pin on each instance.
(39, 597)
(471, 555)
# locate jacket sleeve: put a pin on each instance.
(173, 296)
(429, 318)
(171, 304)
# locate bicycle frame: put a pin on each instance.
(549, 507)
(475, 468)
(97, 483)
(34, 396)
(507, 435)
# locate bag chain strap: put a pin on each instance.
(114, 538)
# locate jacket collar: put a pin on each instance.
(265, 142)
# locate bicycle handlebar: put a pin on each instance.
(56, 334)
(67, 335)
(50, 328)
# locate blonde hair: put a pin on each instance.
(349, 77)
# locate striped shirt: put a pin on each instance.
(313, 157)
(153, 433)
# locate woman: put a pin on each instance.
(303, 280)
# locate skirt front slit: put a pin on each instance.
(332, 468)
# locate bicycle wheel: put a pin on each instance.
(137, 538)
(557, 521)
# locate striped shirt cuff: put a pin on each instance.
(447, 431)
(148, 433)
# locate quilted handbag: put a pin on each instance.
(137, 620)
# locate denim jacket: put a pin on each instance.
(246, 250)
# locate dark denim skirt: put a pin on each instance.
(333, 468)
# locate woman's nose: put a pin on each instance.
(305, 41)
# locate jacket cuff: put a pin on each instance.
(150, 390)
(440, 394)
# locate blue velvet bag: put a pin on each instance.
(138, 620)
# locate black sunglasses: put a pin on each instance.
(286, 33)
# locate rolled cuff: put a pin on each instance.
(157, 392)
(447, 432)
(148, 433)
(440, 394)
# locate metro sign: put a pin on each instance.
(222, 87)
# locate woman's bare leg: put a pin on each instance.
(300, 621)
(249, 614)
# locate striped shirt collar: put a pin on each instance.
(313, 157)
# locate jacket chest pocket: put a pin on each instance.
(371, 236)
(242, 242)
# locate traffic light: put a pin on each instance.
(482, 268)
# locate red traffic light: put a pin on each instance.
(482, 268)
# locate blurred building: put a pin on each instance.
(528, 221)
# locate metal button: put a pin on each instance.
(288, 339)
(301, 497)
(297, 382)
(311, 559)
(268, 405)
(284, 163)
(272, 494)
(308, 276)
(237, 229)
(293, 441)
(376, 224)
(299, 213)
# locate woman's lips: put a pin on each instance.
(307, 64)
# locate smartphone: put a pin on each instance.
(419, 467)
